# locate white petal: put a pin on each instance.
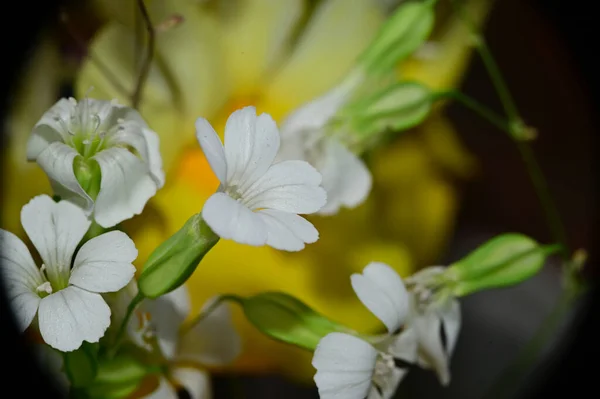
(164, 391)
(345, 365)
(52, 363)
(288, 231)
(289, 186)
(212, 148)
(55, 229)
(195, 382)
(404, 346)
(145, 142)
(49, 129)
(345, 178)
(450, 315)
(382, 291)
(57, 162)
(315, 114)
(213, 341)
(71, 316)
(125, 187)
(103, 264)
(167, 313)
(251, 144)
(20, 277)
(230, 219)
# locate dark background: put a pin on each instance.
(547, 52)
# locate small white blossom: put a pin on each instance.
(98, 140)
(435, 318)
(258, 201)
(64, 293)
(346, 178)
(212, 341)
(350, 367)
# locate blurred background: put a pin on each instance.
(546, 52)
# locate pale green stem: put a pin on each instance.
(222, 298)
(121, 333)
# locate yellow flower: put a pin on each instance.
(277, 56)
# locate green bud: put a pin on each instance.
(81, 365)
(505, 260)
(397, 107)
(287, 319)
(117, 377)
(88, 174)
(172, 263)
(400, 36)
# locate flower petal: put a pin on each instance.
(167, 313)
(21, 278)
(57, 162)
(288, 231)
(230, 219)
(52, 363)
(212, 148)
(125, 187)
(251, 144)
(70, 316)
(345, 365)
(213, 341)
(164, 390)
(195, 382)
(382, 291)
(49, 129)
(136, 134)
(103, 264)
(452, 320)
(55, 229)
(254, 36)
(289, 186)
(345, 178)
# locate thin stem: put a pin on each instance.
(516, 132)
(121, 333)
(144, 72)
(220, 299)
(475, 106)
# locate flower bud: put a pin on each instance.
(396, 108)
(172, 263)
(117, 377)
(399, 36)
(505, 260)
(287, 319)
(81, 365)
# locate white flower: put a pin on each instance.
(258, 201)
(304, 136)
(211, 342)
(98, 140)
(350, 367)
(64, 293)
(435, 318)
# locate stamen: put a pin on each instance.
(44, 287)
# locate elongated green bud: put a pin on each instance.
(117, 377)
(505, 260)
(396, 108)
(287, 319)
(172, 263)
(81, 365)
(403, 33)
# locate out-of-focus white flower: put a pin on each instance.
(350, 367)
(99, 155)
(435, 318)
(66, 299)
(258, 201)
(212, 341)
(305, 135)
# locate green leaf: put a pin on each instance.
(287, 319)
(505, 260)
(173, 262)
(402, 33)
(81, 365)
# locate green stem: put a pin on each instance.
(516, 130)
(475, 106)
(144, 72)
(123, 327)
(220, 299)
